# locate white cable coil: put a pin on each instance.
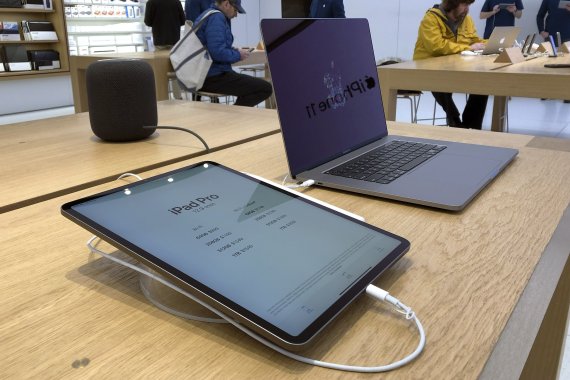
(371, 290)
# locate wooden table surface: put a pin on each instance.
(476, 75)
(159, 61)
(482, 281)
(49, 157)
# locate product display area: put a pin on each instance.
(222, 253)
(33, 40)
(246, 248)
(72, 136)
(490, 267)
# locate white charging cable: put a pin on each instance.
(307, 183)
(125, 175)
(93, 249)
(371, 290)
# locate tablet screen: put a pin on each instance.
(279, 261)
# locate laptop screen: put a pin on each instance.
(326, 86)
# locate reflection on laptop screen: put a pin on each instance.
(326, 85)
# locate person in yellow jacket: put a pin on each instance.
(448, 29)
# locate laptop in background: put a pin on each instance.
(330, 110)
(501, 38)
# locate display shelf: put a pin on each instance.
(107, 32)
(80, 29)
(28, 42)
(116, 44)
(25, 10)
(105, 18)
(56, 17)
(119, 3)
(31, 73)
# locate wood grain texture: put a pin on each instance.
(159, 61)
(50, 157)
(475, 75)
(463, 276)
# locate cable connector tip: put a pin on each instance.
(376, 292)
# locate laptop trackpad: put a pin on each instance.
(460, 171)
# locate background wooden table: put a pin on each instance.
(158, 60)
(485, 282)
(476, 75)
(46, 158)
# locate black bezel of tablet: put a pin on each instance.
(217, 300)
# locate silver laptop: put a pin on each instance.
(332, 120)
(501, 38)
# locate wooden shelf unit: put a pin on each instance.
(56, 17)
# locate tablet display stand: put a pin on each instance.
(173, 302)
(510, 55)
(176, 303)
(545, 47)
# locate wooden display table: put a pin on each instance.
(490, 290)
(47, 158)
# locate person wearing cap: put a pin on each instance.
(327, 9)
(216, 35)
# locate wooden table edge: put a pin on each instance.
(113, 176)
(531, 341)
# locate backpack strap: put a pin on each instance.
(199, 24)
(194, 29)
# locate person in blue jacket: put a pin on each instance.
(551, 19)
(194, 8)
(327, 9)
(498, 15)
(216, 35)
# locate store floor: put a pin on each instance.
(549, 118)
(526, 116)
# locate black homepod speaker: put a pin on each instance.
(122, 99)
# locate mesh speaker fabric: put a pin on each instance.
(122, 99)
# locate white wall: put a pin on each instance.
(246, 27)
(31, 94)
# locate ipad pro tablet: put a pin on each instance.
(280, 264)
(505, 5)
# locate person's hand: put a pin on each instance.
(477, 46)
(568, 7)
(243, 54)
(512, 8)
(544, 34)
(496, 9)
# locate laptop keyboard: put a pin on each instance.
(387, 162)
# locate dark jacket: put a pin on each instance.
(502, 18)
(216, 35)
(557, 19)
(327, 9)
(165, 17)
(194, 8)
